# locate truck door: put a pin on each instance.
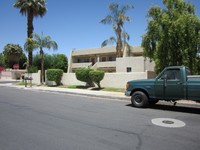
(170, 85)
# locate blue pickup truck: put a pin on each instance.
(173, 83)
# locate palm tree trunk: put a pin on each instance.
(119, 42)
(29, 34)
(42, 66)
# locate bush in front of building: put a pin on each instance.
(97, 76)
(82, 74)
(54, 75)
(90, 76)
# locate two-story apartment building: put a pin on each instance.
(105, 59)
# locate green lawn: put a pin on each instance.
(81, 87)
(95, 88)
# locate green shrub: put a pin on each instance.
(54, 75)
(32, 69)
(96, 76)
(82, 74)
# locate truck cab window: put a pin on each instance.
(171, 74)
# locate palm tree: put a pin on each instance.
(124, 38)
(42, 42)
(31, 9)
(117, 17)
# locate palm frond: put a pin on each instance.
(124, 8)
(38, 7)
(107, 20)
(125, 36)
(40, 41)
(113, 7)
(30, 45)
(111, 40)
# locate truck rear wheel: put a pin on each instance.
(139, 99)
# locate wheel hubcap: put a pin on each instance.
(138, 99)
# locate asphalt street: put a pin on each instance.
(38, 120)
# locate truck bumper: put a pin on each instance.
(128, 93)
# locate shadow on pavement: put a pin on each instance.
(185, 108)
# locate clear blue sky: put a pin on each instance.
(75, 24)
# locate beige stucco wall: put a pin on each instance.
(137, 64)
(70, 79)
(149, 65)
(35, 77)
(12, 74)
(116, 80)
(119, 80)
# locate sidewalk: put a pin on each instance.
(86, 92)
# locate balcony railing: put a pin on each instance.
(81, 65)
(106, 64)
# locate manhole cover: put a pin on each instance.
(168, 122)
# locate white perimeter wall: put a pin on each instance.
(116, 80)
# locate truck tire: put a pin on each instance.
(139, 99)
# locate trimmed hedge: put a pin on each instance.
(96, 76)
(54, 75)
(82, 74)
(90, 76)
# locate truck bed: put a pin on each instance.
(194, 77)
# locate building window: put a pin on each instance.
(86, 60)
(112, 58)
(103, 59)
(128, 69)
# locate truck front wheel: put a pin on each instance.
(139, 99)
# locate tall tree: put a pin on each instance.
(173, 35)
(12, 53)
(60, 62)
(2, 61)
(31, 9)
(117, 18)
(42, 42)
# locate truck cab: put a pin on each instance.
(173, 83)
